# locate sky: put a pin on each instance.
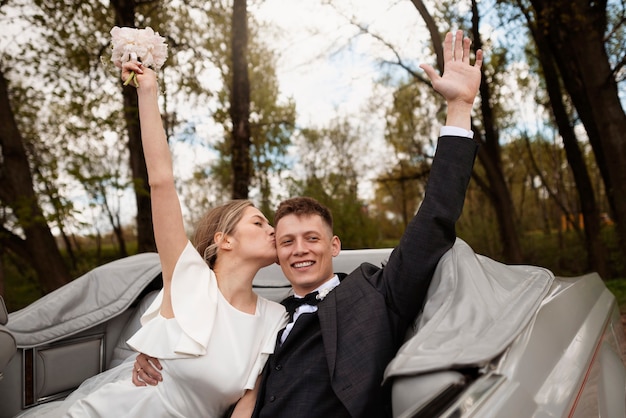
(329, 71)
(316, 68)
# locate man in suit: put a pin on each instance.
(329, 361)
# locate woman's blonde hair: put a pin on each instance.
(222, 219)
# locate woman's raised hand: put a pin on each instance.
(144, 76)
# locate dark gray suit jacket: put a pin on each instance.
(364, 320)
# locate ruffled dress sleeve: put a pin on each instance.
(194, 300)
(275, 319)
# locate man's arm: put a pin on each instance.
(146, 371)
(432, 231)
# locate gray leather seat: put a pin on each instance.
(8, 345)
(121, 350)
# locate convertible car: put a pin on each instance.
(493, 340)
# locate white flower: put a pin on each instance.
(323, 293)
(144, 45)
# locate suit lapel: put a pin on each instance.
(327, 314)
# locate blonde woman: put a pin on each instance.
(210, 331)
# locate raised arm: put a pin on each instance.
(167, 219)
(432, 231)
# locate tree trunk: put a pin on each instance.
(17, 192)
(490, 157)
(145, 233)
(433, 30)
(596, 251)
(125, 16)
(575, 30)
(240, 103)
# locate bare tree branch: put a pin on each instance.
(435, 35)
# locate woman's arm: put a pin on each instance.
(169, 231)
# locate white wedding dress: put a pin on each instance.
(210, 353)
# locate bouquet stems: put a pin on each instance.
(133, 78)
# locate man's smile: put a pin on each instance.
(302, 264)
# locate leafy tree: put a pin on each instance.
(46, 159)
(491, 119)
(492, 115)
(82, 101)
(561, 110)
(575, 33)
(271, 124)
(34, 240)
(329, 159)
(408, 131)
(104, 186)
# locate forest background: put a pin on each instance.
(266, 99)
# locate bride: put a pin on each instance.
(210, 331)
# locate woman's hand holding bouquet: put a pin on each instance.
(143, 46)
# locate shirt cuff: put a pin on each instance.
(456, 131)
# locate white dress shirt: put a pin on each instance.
(455, 131)
(323, 290)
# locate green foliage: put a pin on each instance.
(562, 252)
(477, 225)
(272, 122)
(351, 222)
(329, 157)
(618, 288)
(21, 286)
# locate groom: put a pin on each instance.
(329, 361)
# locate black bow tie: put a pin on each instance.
(292, 302)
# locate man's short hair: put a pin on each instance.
(303, 206)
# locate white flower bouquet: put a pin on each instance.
(143, 45)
